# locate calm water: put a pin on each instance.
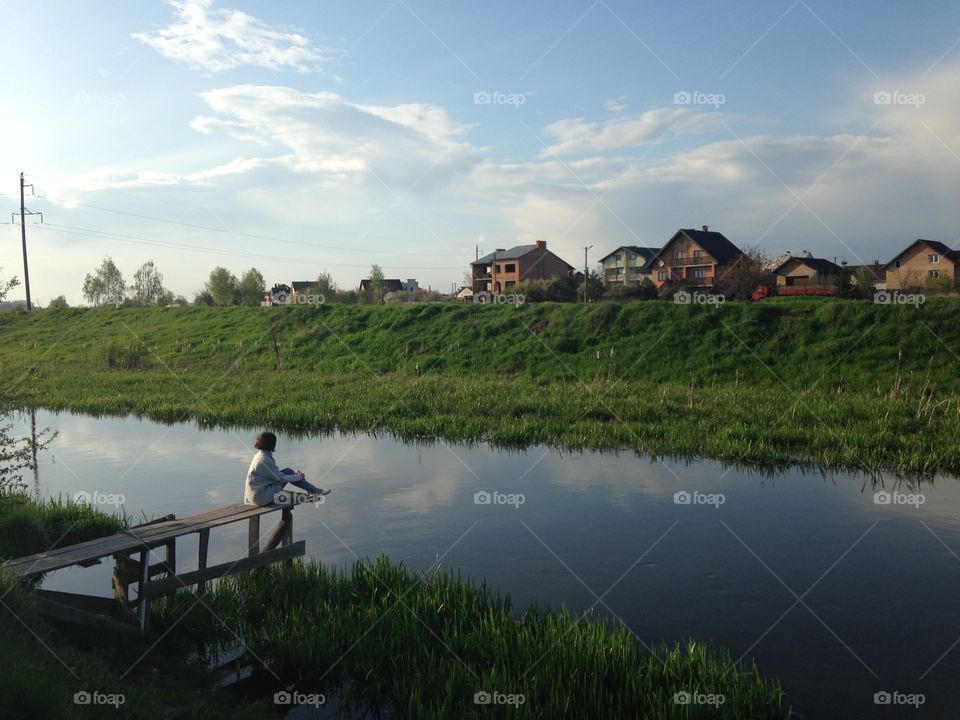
(838, 596)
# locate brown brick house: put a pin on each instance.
(694, 258)
(808, 272)
(501, 269)
(921, 262)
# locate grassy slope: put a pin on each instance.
(841, 383)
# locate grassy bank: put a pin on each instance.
(834, 383)
(375, 635)
(427, 645)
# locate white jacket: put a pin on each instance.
(264, 479)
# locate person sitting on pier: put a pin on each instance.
(265, 479)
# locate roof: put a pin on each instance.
(388, 285)
(280, 287)
(647, 252)
(875, 269)
(513, 253)
(716, 244)
(300, 285)
(935, 245)
(821, 265)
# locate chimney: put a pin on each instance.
(500, 250)
(542, 244)
(706, 228)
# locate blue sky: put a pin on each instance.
(309, 137)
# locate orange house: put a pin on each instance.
(694, 258)
(502, 269)
(921, 262)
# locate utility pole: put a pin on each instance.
(586, 273)
(23, 237)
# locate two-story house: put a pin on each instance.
(627, 265)
(501, 269)
(694, 258)
(921, 262)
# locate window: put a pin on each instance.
(699, 272)
(619, 271)
(619, 257)
(933, 257)
(510, 283)
(897, 264)
(661, 275)
(499, 268)
(633, 257)
(696, 254)
(681, 254)
(511, 267)
(934, 273)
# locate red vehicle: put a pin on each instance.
(769, 290)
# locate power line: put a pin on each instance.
(104, 235)
(233, 233)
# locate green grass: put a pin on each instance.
(45, 664)
(382, 634)
(840, 384)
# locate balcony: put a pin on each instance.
(675, 261)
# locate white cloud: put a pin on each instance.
(215, 40)
(576, 136)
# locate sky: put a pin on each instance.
(301, 138)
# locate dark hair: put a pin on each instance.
(266, 441)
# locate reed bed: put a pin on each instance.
(379, 634)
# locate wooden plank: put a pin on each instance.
(143, 601)
(155, 521)
(202, 560)
(165, 585)
(90, 603)
(253, 536)
(69, 614)
(127, 542)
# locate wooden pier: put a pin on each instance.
(136, 563)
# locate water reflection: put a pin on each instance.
(876, 581)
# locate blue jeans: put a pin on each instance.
(304, 485)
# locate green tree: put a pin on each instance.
(59, 302)
(105, 286)
(863, 283)
(147, 285)
(223, 287)
(376, 282)
(251, 288)
(744, 275)
(7, 285)
(326, 286)
(203, 298)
